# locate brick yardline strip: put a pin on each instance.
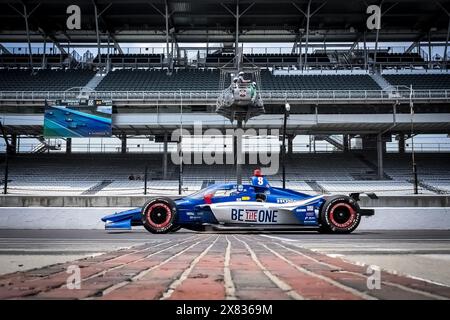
(103, 272)
(424, 293)
(174, 285)
(323, 278)
(116, 267)
(87, 259)
(143, 273)
(277, 281)
(399, 286)
(230, 289)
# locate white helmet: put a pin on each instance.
(254, 83)
(241, 73)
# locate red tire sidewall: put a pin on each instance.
(334, 203)
(170, 211)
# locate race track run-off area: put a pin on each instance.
(214, 266)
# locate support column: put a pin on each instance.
(401, 143)
(345, 142)
(308, 17)
(108, 60)
(300, 66)
(124, 143)
(446, 42)
(69, 145)
(365, 51)
(165, 157)
(97, 34)
(429, 48)
(166, 16)
(236, 41)
(380, 157)
(25, 14)
(376, 48)
(237, 144)
(13, 144)
(290, 145)
(44, 54)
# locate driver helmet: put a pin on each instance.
(241, 73)
(235, 79)
(254, 83)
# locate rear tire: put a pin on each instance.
(159, 215)
(339, 214)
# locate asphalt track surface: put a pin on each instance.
(188, 265)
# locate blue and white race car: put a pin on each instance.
(256, 206)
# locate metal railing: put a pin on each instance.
(314, 147)
(267, 95)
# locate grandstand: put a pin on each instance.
(93, 174)
(343, 83)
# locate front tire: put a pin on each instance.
(159, 215)
(339, 214)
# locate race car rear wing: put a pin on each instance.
(355, 195)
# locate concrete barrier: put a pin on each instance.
(54, 217)
(390, 218)
(138, 200)
(89, 218)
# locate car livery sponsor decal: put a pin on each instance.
(254, 215)
(284, 200)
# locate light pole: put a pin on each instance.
(180, 172)
(413, 158)
(287, 109)
(6, 172)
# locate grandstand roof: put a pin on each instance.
(209, 20)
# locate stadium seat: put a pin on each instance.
(420, 81)
(201, 80)
(158, 80)
(317, 82)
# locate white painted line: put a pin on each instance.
(230, 289)
(145, 272)
(277, 281)
(103, 272)
(424, 293)
(177, 282)
(323, 278)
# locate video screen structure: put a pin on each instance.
(78, 119)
